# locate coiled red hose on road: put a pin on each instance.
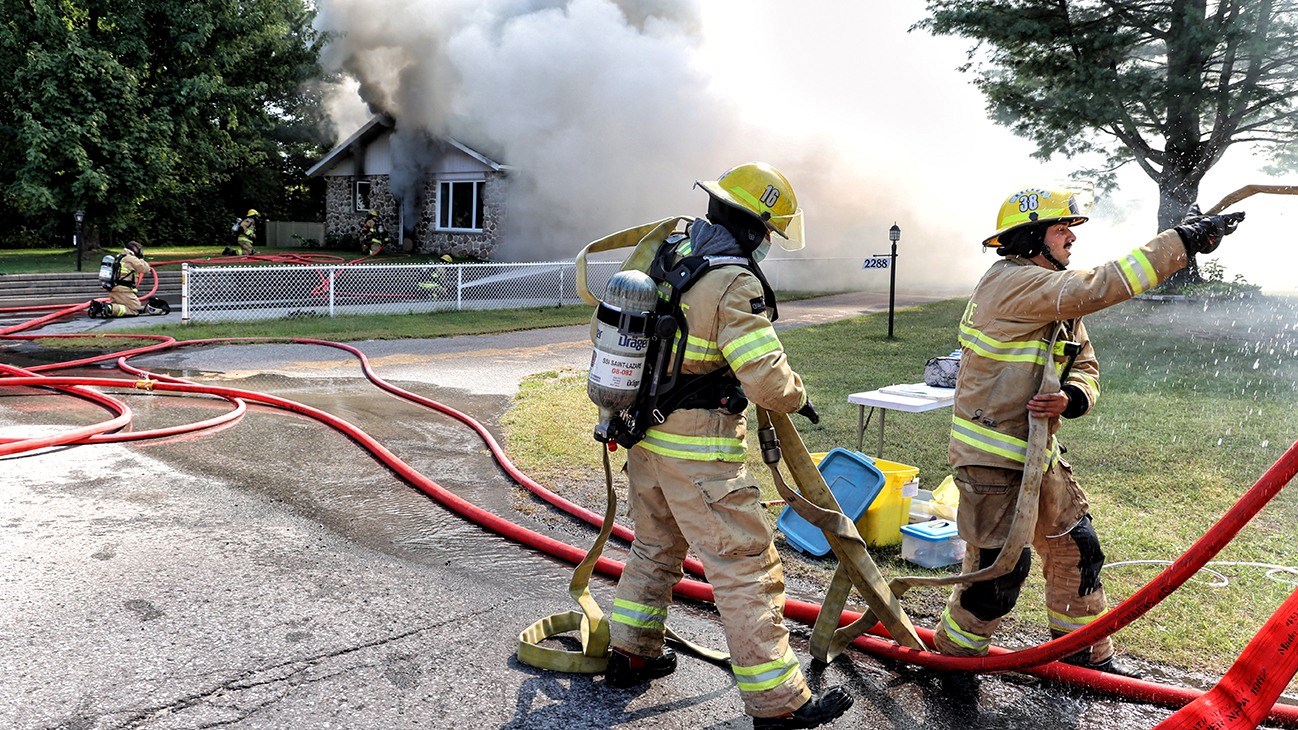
(1035, 660)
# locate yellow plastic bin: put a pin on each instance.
(882, 521)
(881, 524)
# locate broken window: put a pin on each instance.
(460, 205)
(361, 194)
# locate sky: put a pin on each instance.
(610, 110)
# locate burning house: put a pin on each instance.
(433, 195)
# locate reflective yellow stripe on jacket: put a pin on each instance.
(700, 350)
(1138, 271)
(994, 442)
(989, 347)
(766, 676)
(694, 448)
(751, 346)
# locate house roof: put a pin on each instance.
(371, 130)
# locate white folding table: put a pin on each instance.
(909, 397)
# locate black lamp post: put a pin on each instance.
(894, 235)
(79, 217)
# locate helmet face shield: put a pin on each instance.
(793, 236)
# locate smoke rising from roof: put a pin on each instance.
(607, 111)
(603, 110)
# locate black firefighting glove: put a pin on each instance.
(810, 412)
(1202, 234)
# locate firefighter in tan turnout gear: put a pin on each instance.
(128, 269)
(1023, 299)
(688, 483)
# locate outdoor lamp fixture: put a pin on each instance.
(79, 217)
(894, 235)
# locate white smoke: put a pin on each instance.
(603, 110)
(607, 111)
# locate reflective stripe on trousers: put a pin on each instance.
(766, 676)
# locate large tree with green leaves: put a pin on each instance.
(160, 118)
(1168, 85)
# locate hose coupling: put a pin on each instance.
(770, 445)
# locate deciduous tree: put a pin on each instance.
(159, 118)
(1169, 85)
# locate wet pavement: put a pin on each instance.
(273, 575)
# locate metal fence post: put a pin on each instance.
(184, 293)
(333, 276)
(459, 288)
(558, 300)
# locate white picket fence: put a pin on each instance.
(247, 293)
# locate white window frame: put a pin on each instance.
(361, 204)
(446, 200)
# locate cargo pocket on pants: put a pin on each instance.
(737, 517)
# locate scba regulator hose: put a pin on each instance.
(1038, 660)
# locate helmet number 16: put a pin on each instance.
(770, 196)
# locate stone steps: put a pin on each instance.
(24, 290)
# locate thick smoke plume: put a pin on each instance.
(602, 110)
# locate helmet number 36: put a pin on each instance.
(770, 196)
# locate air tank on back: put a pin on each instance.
(620, 337)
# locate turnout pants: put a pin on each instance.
(1070, 555)
(123, 302)
(713, 507)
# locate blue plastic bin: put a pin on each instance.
(855, 482)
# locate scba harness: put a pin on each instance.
(663, 387)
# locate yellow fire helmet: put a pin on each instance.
(1037, 205)
(760, 190)
(252, 213)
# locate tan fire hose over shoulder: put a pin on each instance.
(646, 238)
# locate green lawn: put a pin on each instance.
(1197, 402)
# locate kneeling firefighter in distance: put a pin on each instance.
(120, 276)
(679, 352)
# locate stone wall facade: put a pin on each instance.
(342, 219)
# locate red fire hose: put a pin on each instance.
(1035, 660)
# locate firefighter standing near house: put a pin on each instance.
(245, 232)
(125, 271)
(1025, 300)
(688, 483)
(373, 235)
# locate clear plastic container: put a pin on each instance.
(932, 544)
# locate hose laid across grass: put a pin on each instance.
(1038, 660)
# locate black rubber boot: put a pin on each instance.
(627, 670)
(97, 309)
(1112, 665)
(816, 712)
